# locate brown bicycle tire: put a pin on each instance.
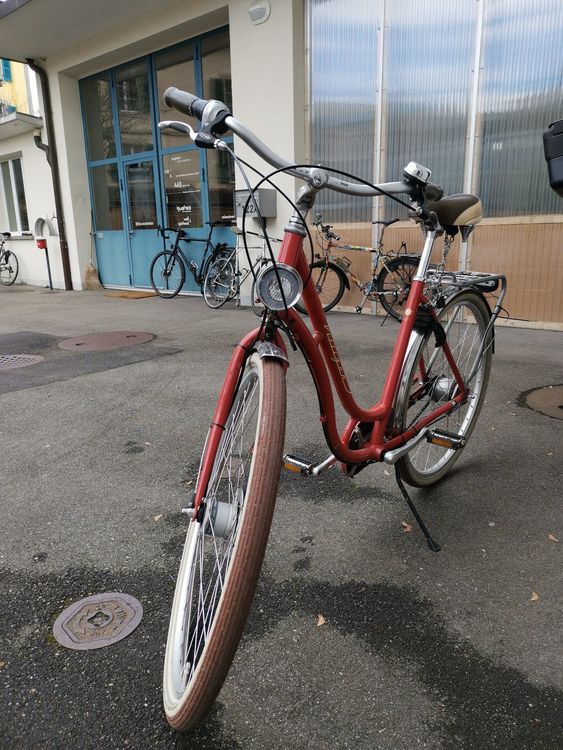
(247, 557)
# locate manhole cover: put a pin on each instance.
(98, 342)
(547, 400)
(11, 361)
(97, 621)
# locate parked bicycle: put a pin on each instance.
(391, 275)
(226, 275)
(431, 399)
(168, 267)
(9, 265)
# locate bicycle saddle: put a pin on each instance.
(7, 235)
(457, 210)
(385, 223)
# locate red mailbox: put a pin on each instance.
(41, 243)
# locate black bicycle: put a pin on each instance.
(168, 267)
(9, 265)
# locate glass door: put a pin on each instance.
(142, 218)
(141, 177)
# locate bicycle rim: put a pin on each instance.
(328, 281)
(167, 274)
(428, 381)
(223, 554)
(8, 268)
(219, 284)
(394, 283)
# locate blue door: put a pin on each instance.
(142, 218)
(141, 178)
(110, 236)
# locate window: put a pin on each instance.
(6, 71)
(13, 209)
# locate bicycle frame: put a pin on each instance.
(378, 257)
(327, 370)
(198, 273)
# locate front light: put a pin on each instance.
(268, 286)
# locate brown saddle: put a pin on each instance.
(459, 210)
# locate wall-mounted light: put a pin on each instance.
(259, 12)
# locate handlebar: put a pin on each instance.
(325, 228)
(217, 120)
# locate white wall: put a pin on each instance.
(267, 65)
(40, 201)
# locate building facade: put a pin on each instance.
(364, 86)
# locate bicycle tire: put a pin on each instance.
(427, 380)
(246, 473)
(9, 268)
(219, 284)
(394, 283)
(167, 274)
(329, 281)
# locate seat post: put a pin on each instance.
(425, 256)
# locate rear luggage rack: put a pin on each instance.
(484, 282)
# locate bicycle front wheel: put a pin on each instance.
(223, 554)
(9, 268)
(428, 381)
(167, 274)
(219, 284)
(329, 282)
(394, 284)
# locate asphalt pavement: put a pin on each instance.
(359, 636)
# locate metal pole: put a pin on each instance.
(48, 268)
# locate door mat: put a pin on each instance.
(130, 295)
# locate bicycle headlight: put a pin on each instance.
(268, 286)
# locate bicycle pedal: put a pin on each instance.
(297, 465)
(446, 439)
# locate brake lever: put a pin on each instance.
(181, 127)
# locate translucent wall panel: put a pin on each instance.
(521, 93)
(343, 74)
(428, 74)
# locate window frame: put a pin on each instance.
(6, 70)
(20, 230)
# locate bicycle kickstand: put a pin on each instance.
(434, 546)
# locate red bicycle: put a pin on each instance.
(431, 399)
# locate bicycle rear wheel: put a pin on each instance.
(223, 554)
(219, 284)
(167, 274)
(394, 284)
(428, 381)
(9, 268)
(329, 282)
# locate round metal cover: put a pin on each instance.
(11, 361)
(547, 400)
(103, 342)
(97, 621)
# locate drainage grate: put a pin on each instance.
(103, 342)
(97, 621)
(547, 400)
(11, 361)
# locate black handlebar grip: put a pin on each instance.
(184, 102)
